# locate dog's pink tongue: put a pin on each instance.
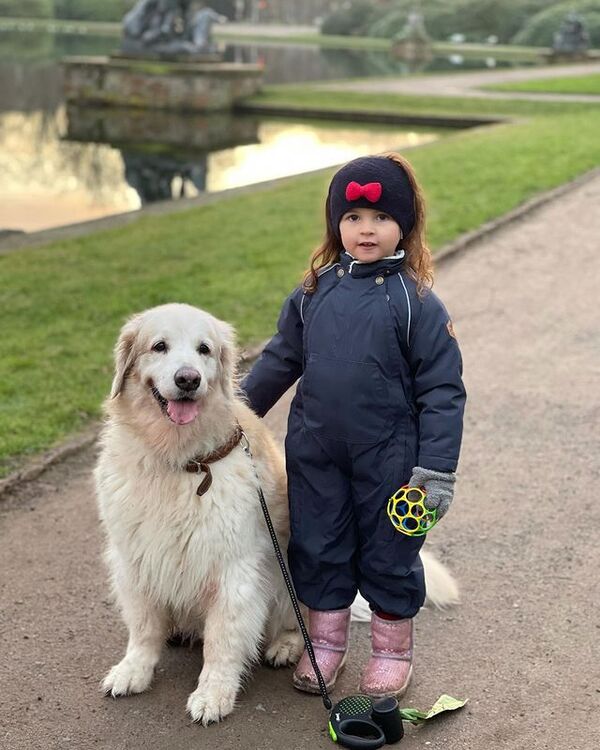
(182, 412)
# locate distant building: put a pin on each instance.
(284, 11)
(292, 11)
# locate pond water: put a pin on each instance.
(77, 164)
(61, 165)
(283, 63)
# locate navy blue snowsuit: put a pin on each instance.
(380, 392)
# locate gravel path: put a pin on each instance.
(522, 539)
(468, 84)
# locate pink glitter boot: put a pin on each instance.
(329, 635)
(390, 667)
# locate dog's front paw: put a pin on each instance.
(128, 677)
(285, 650)
(208, 703)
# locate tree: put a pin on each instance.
(539, 29)
(27, 8)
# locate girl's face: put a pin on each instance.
(368, 234)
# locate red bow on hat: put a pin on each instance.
(371, 191)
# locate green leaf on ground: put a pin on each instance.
(443, 703)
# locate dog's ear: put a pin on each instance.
(125, 353)
(227, 358)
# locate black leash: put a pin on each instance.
(286, 577)
(355, 722)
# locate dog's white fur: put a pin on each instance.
(180, 562)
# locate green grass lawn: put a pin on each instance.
(61, 305)
(588, 84)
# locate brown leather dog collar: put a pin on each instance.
(200, 464)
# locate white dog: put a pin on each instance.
(181, 561)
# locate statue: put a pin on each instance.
(201, 27)
(169, 28)
(167, 61)
(572, 39)
(413, 43)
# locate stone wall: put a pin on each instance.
(198, 87)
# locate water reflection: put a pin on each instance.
(165, 154)
(291, 64)
(85, 163)
(162, 178)
(46, 182)
(158, 129)
(293, 147)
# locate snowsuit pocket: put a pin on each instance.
(345, 400)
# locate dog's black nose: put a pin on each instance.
(187, 378)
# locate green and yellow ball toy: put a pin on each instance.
(408, 514)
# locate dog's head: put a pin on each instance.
(175, 356)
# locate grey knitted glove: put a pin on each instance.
(438, 486)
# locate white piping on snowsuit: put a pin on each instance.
(304, 294)
(409, 311)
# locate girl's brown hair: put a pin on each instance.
(418, 256)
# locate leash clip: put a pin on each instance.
(245, 443)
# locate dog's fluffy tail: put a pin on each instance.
(442, 589)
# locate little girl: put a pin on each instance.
(379, 405)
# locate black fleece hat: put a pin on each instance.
(372, 182)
